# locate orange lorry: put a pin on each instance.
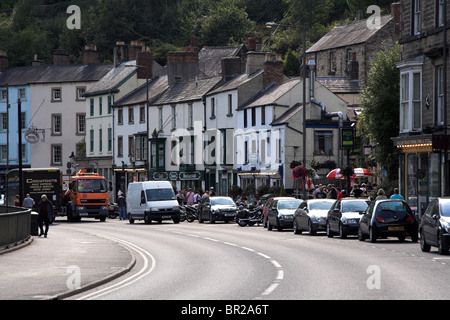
(86, 196)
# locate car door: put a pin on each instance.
(335, 215)
(272, 213)
(364, 223)
(429, 222)
(302, 220)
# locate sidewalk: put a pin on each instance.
(65, 263)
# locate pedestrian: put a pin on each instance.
(212, 192)
(197, 196)
(321, 194)
(45, 214)
(28, 202)
(396, 194)
(190, 197)
(340, 195)
(381, 194)
(17, 201)
(332, 194)
(122, 206)
(356, 192)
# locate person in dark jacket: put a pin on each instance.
(45, 214)
(122, 206)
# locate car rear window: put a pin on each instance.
(349, 206)
(392, 210)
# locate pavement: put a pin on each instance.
(65, 263)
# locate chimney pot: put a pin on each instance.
(4, 60)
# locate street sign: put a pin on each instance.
(347, 138)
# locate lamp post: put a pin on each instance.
(271, 25)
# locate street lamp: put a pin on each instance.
(271, 25)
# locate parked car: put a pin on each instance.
(343, 216)
(217, 208)
(267, 205)
(434, 227)
(388, 217)
(311, 215)
(280, 213)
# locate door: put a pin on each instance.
(429, 223)
(366, 219)
(302, 216)
(334, 215)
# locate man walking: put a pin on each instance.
(122, 206)
(45, 214)
(28, 202)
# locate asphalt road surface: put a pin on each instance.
(192, 261)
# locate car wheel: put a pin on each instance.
(147, 219)
(311, 230)
(279, 228)
(440, 246)
(424, 246)
(342, 234)
(211, 219)
(329, 232)
(372, 235)
(296, 229)
(269, 226)
(415, 237)
(361, 237)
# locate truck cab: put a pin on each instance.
(88, 194)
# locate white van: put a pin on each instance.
(152, 200)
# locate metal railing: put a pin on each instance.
(15, 225)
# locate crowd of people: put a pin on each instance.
(369, 190)
(190, 197)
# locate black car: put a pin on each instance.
(217, 209)
(343, 216)
(311, 215)
(435, 226)
(280, 213)
(388, 217)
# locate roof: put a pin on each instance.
(156, 87)
(210, 58)
(270, 94)
(114, 78)
(348, 34)
(187, 91)
(53, 74)
(340, 85)
(284, 118)
(234, 82)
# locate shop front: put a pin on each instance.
(420, 171)
(181, 179)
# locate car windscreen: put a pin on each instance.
(223, 201)
(160, 194)
(320, 205)
(289, 204)
(91, 186)
(445, 208)
(349, 206)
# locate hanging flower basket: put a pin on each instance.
(299, 172)
(347, 171)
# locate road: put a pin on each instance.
(192, 261)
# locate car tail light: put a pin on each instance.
(409, 219)
(380, 219)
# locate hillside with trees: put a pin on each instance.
(38, 27)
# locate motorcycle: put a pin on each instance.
(249, 216)
(113, 210)
(191, 213)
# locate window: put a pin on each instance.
(141, 147)
(130, 146)
(3, 153)
(253, 117)
(263, 115)
(56, 154)
(440, 13)
(142, 114)
(416, 16)
(157, 155)
(160, 118)
(100, 106)
(323, 143)
(120, 146)
(81, 123)
(245, 118)
(92, 107)
(190, 116)
(440, 94)
(22, 95)
(130, 115)
(91, 140)
(109, 139)
(23, 124)
(120, 116)
(109, 104)
(80, 93)
(230, 105)
(213, 108)
(4, 120)
(56, 124)
(100, 140)
(3, 94)
(56, 95)
(410, 100)
(332, 62)
(174, 116)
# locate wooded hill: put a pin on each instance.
(39, 27)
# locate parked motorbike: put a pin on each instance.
(191, 213)
(249, 216)
(113, 210)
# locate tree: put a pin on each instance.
(379, 119)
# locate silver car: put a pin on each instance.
(311, 215)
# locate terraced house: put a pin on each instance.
(423, 140)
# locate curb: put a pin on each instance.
(16, 246)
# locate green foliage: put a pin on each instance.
(379, 119)
(291, 64)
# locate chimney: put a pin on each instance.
(120, 53)
(251, 44)
(182, 66)
(4, 60)
(273, 70)
(255, 61)
(353, 68)
(36, 62)
(134, 49)
(90, 55)
(231, 66)
(359, 15)
(395, 13)
(144, 58)
(60, 58)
